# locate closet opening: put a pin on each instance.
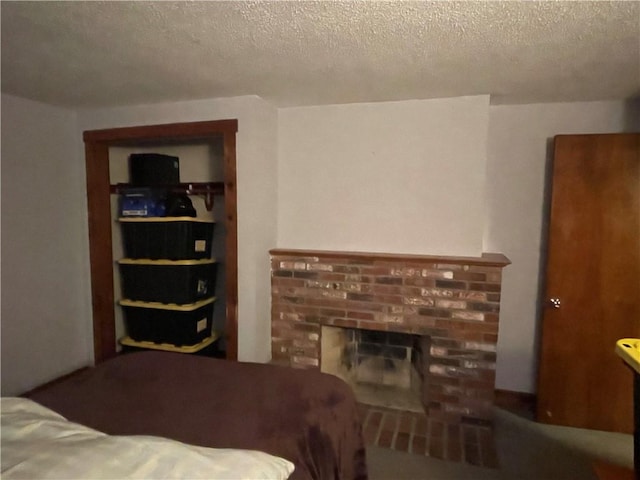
(104, 154)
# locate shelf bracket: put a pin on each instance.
(208, 201)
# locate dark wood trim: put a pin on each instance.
(231, 262)
(191, 188)
(487, 259)
(97, 143)
(55, 381)
(516, 402)
(100, 250)
(166, 132)
(609, 471)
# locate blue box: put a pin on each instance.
(142, 202)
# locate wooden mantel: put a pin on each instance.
(487, 259)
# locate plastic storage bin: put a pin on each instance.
(208, 347)
(168, 323)
(170, 238)
(168, 281)
(629, 350)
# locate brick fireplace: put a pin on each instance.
(450, 304)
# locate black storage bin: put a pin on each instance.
(173, 324)
(168, 281)
(171, 238)
(153, 169)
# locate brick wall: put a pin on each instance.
(455, 301)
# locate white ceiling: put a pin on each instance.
(91, 54)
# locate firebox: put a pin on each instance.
(383, 368)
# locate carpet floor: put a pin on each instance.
(526, 450)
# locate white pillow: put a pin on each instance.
(39, 443)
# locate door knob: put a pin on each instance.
(555, 302)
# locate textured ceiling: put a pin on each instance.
(90, 54)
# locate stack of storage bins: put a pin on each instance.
(168, 282)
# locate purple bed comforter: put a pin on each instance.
(305, 416)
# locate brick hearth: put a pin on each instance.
(455, 301)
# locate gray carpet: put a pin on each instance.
(526, 450)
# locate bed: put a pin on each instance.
(303, 416)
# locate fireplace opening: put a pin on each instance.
(386, 369)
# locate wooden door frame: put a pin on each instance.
(97, 143)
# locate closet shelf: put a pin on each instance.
(206, 189)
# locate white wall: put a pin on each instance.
(518, 155)
(257, 195)
(401, 177)
(46, 331)
(397, 152)
(411, 177)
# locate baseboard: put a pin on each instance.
(28, 393)
(518, 402)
